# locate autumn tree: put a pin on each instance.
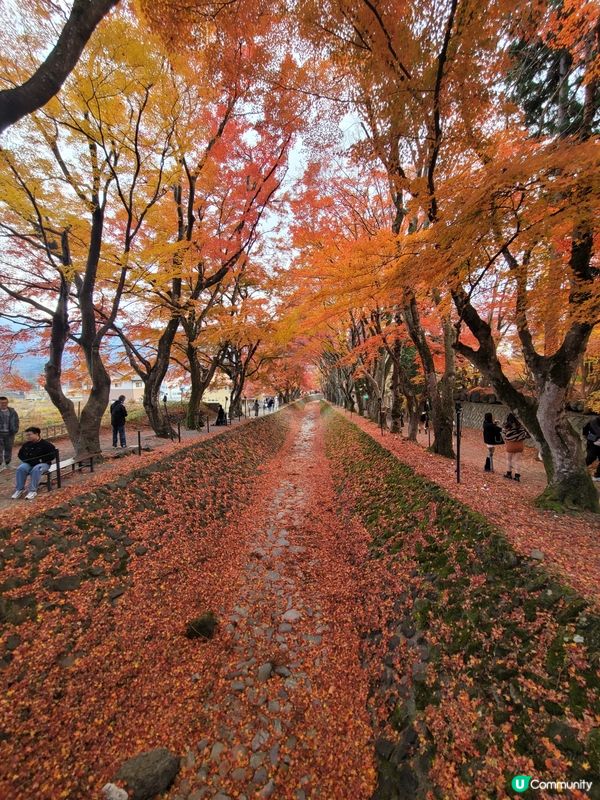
(393, 67)
(527, 204)
(78, 187)
(164, 285)
(247, 332)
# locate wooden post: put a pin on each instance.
(139, 433)
(458, 407)
(58, 480)
(179, 432)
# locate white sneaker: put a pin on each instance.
(31, 496)
(17, 494)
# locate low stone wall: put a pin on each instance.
(473, 413)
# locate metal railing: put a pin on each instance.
(48, 432)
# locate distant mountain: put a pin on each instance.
(30, 367)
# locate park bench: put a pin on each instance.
(60, 469)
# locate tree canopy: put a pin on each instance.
(404, 197)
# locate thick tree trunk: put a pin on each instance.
(59, 334)
(349, 396)
(360, 403)
(196, 392)
(413, 418)
(441, 419)
(571, 485)
(88, 440)
(154, 411)
(153, 378)
(448, 382)
(396, 413)
(200, 379)
(235, 399)
(441, 415)
(84, 432)
(235, 408)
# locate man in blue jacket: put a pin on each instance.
(9, 426)
(36, 456)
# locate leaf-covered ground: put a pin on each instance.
(113, 466)
(374, 636)
(569, 542)
(96, 594)
(94, 598)
(492, 664)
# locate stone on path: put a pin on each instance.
(203, 627)
(112, 792)
(264, 671)
(268, 790)
(149, 773)
(292, 615)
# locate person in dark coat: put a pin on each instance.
(118, 413)
(256, 407)
(492, 437)
(36, 456)
(221, 418)
(9, 427)
(591, 431)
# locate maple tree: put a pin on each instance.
(233, 138)
(393, 68)
(78, 188)
(246, 332)
(423, 93)
(531, 217)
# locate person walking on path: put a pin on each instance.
(9, 426)
(256, 407)
(492, 437)
(591, 431)
(514, 435)
(36, 456)
(118, 412)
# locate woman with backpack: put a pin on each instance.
(492, 437)
(514, 436)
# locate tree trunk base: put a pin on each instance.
(575, 493)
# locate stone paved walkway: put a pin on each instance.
(282, 722)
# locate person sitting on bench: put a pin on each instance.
(221, 418)
(36, 455)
